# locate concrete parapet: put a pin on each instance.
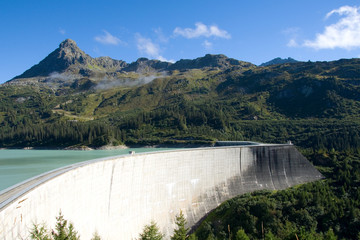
(117, 196)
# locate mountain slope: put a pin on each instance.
(149, 101)
(68, 66)
(66, 55)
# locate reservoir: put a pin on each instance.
(19, 165)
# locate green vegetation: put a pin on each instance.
(180, 233)
(151, 232)
(326, 209)
(63, 231)
(316, 105)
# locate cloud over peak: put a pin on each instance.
(201, 30)
(146, 46)
(345, 33)
(107, 39)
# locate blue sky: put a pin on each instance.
(250, 30)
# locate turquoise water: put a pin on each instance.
(19, 165)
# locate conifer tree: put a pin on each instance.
(151, 232)
(64, 232)
(241, 235)
(39, 232)
(180, 232)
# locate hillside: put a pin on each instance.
(70, 98)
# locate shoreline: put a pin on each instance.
(109, 147)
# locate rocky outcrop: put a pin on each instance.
(144, 65)
(278, 61)
(66, 55)
(210, 61)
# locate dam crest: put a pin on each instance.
(117, 196)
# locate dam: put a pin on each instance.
(117, 196)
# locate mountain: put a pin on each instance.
(68, 54)
(209, 61)
(68, 64)
(278, 61)
(98, 101)
(144, 65)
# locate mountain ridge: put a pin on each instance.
(204, 98)
(278, 60)
(68, 59)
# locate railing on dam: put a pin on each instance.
(117, 196)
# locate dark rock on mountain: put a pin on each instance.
(144, 65)
(212, 61)
(278, 61)
(109, 63)
(83, 84)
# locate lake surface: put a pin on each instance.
(18, 165)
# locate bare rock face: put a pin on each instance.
(70, 53)
(66, 55)
(144, 65)
(278, 60)
(111, 64)
(209, 61)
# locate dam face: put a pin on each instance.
(117, 197)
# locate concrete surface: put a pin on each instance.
(117, 196)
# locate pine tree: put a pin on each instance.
(62, 231)
(270, 236)
(151, 232)
(180, 232)
(329, 235)
(39, 233)
(241, 235)
(96, 236)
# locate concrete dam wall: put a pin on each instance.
(117, 196)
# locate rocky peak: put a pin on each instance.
(144, 65)
(109, 63)
(67, 54)
(68, 43)
(278, 60)
(70, 52)
(139, 60)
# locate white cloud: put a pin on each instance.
(292, 43)
(345, 33)
(161, 36)
(208, 45)
(202, 30)
(62, 31)
(146, 46)
(108, 39)
(161, 58)
(292, 33)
